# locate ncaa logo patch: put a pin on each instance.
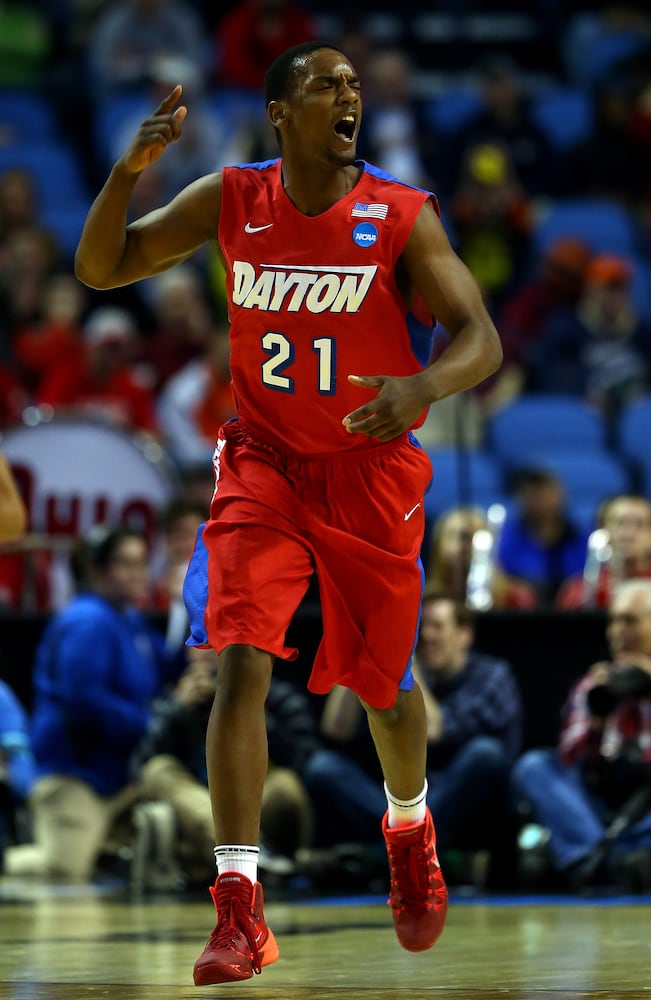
(365, 234)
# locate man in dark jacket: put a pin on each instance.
(592, 794)
(474, 730)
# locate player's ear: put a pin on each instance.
(277, 112)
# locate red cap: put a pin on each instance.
(605, 269)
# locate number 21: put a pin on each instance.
(282, 354)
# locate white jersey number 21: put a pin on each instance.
(282, 354)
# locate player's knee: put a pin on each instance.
(395, 715)
(243, 671)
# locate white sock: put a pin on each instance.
(238, 858)
(404, 812)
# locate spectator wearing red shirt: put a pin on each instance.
(28, 257)
(100, 382)
(55, 338)
(627, 520)
(600, 351)
(554, 288)
(18, 201)
(253, 33)
(183, 324)
(13, 397)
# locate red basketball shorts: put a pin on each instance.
(356, 519)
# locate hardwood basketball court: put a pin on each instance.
(72, 943)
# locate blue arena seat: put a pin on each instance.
(65, 221)
(607, 48)
(634, 440)
(452, 108)
(583, 513)
(25, 116)
(236, 105)
(589, 475)
(110, 116)
(53, 166)
(538, 423)
(463, 477)
(564, 113)
(641, 288)
(606, 226)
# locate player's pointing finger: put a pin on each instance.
(168, 102)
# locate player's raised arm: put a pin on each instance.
(110, 253)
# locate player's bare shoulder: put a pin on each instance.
(427, 233)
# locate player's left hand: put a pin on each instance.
(396, 407)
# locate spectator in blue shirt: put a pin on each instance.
(16, 762)
(539, 542)
(98, 667)
(474, 729)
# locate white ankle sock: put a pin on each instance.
(238, 858)
(404, 812)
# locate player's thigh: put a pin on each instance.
(257, 577)
(379, 499)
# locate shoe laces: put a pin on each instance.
(410, 866)
(234, 920)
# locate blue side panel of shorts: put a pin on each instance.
(407, 679)
(195, 591)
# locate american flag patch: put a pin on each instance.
(363, 211)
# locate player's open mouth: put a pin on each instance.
(345, 128)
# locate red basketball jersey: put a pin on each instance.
(313, 300)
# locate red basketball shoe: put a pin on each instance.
(418, 895)
(241, 943)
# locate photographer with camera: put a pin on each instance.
(593, 794)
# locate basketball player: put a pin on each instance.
(334, 272)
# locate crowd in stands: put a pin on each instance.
(542, 166)
(106, 772)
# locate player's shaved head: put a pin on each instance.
(284, 70)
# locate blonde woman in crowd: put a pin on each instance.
(450, 557)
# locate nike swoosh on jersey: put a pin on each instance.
(256, 229)
(410, 512)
